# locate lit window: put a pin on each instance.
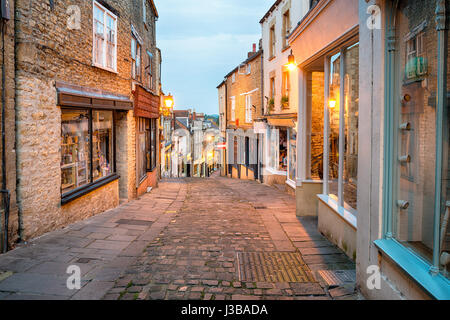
(233, 109)
(248, 108)
(79, 166)
(105, 38)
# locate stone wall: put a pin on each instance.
(245, 83)
(48, 51)
(9, 123)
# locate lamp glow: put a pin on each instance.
(332, 104)
(168, 101)
(291, 62)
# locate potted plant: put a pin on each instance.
(271, 104)
(285, 102)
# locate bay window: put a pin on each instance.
(416, 198)
(105, 38)
(343, 117)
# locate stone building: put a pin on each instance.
(7, 118)
(243, 104)
(403, 179)
(87, 85)
(281, 93)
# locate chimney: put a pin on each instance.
(253, 52)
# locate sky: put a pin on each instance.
(201, 41)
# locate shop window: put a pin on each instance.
(105, 38)
(102, 143)
(135, 59)
(415, 139)
(75, 149)
(343, 126)
(283, 155)
(151, 159)
(351, 128)
(315, 124)
(247, 151)
(292, 170)
(78, 166)
(143, 143)
(334, 122)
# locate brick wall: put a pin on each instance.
(9, 121)
(243, 84)
(48, 51)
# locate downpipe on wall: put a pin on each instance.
(5, 192)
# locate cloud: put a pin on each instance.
(201, 41)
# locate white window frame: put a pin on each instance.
(233, 108)
(233, 78)
(144, 11)
(248, 108)
(105, 42)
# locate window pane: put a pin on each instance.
(99, 35)
(102, 139)
(445, 225)
(283, 160)
(416, 114)
(142, 148)
(315, 102)
(75, 156)
(351, 125)
(292, 155)
(334, 107)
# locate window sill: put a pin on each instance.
(104, 68)
(78, 193)
(415, 267)
(276, 172)
(271, 58)
(345, 214)
(286, 48)
(291, 183)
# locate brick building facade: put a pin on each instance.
(76, 130)
(243, 106)
(8, 166)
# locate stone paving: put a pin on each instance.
(182, 241)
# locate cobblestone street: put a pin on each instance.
(211, 239)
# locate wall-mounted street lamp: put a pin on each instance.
(291, 62)
(168, 101)
(332, 104)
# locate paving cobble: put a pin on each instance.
(187, 250)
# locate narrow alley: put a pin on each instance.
(212, 239)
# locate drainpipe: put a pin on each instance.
(4, 191)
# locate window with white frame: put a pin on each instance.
(148, 69)
(248, 108)
(144, 11)
(135, 59)
(233, 108)
(233, 78)
(105, 38)
(341, 182)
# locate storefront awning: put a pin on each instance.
(281, 123)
